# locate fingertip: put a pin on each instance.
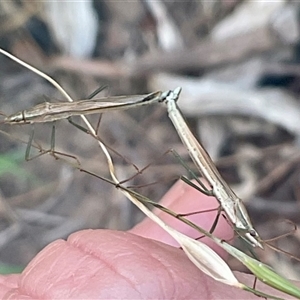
(102, 264)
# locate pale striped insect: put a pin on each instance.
(232, 206)
(50, 112)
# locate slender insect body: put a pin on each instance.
(233, 206)
(50, 112)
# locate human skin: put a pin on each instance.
(143, 263)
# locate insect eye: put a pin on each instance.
(253, 233)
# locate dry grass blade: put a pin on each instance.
(197, 255)
(263, 272)
(200, 254)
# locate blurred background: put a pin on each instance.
(238, 65)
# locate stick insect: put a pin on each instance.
(233, 206)
(51, 112)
